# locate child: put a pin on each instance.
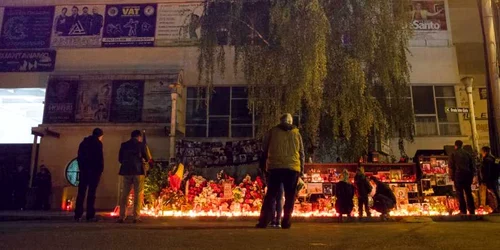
(344, 192)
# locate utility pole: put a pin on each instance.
(493, 85)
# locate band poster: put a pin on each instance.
(60, 101)
(78, 26)
(93, 101)
(126, 104)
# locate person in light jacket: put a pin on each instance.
(283, 157)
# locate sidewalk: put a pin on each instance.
(106, 216)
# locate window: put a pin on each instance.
(73, 173)
(429, 104)
(20, 109)
(227, 113)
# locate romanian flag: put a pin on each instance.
(176, 179)
(148, 152)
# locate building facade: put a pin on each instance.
(441, 54)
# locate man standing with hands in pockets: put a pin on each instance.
(132, 157)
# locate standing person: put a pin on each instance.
(43, 183)
(91, 163)
(96, 22)
(363, 189)
(283, 156)
(85, 20)
(489, 174)
(277, 210)
(60, 25)
(384, 199)
(344, 191)
(132, 158)
(462, 171)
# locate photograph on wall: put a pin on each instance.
(129, 25)
(157, 104)
(314, 188)
(401, 194)
(78, 26)
(60, 101)
(178, 24)
(126, 104)
(206, 154)
(26, 27)
(428, 20)
(27, 60)
(93, 101)
(328, 188)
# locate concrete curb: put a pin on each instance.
(68, 216)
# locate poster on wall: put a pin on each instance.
(230, 153)
(26, 27)
(126, 104)
(78, 26)
(157, 102)
(178, 24)
(93, 101)
(129, 25)
(428, 21)
(27, 61)
(60, 101)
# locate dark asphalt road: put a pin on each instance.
(241, 235)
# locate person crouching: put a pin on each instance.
(384, 199)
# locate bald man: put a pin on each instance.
(283, 158)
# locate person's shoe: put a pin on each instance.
(137, 221)
(276, 226)
(286, 225)
(78, 219)
(120, 221)
(260, 226)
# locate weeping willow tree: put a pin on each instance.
(341, 64)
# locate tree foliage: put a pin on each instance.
(342, 64)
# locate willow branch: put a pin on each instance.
(252, 28)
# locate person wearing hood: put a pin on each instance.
(344, 191)
(283, 158)
(384, 199)
(363, 189)
(91, 163)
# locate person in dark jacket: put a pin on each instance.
(363, 188)
(91, 164)
(132, 158)
(43, 183)
(462, 171)
(283, 157)
(384, 199)
(489, 174)
(344, 191)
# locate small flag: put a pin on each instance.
(144, 141)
